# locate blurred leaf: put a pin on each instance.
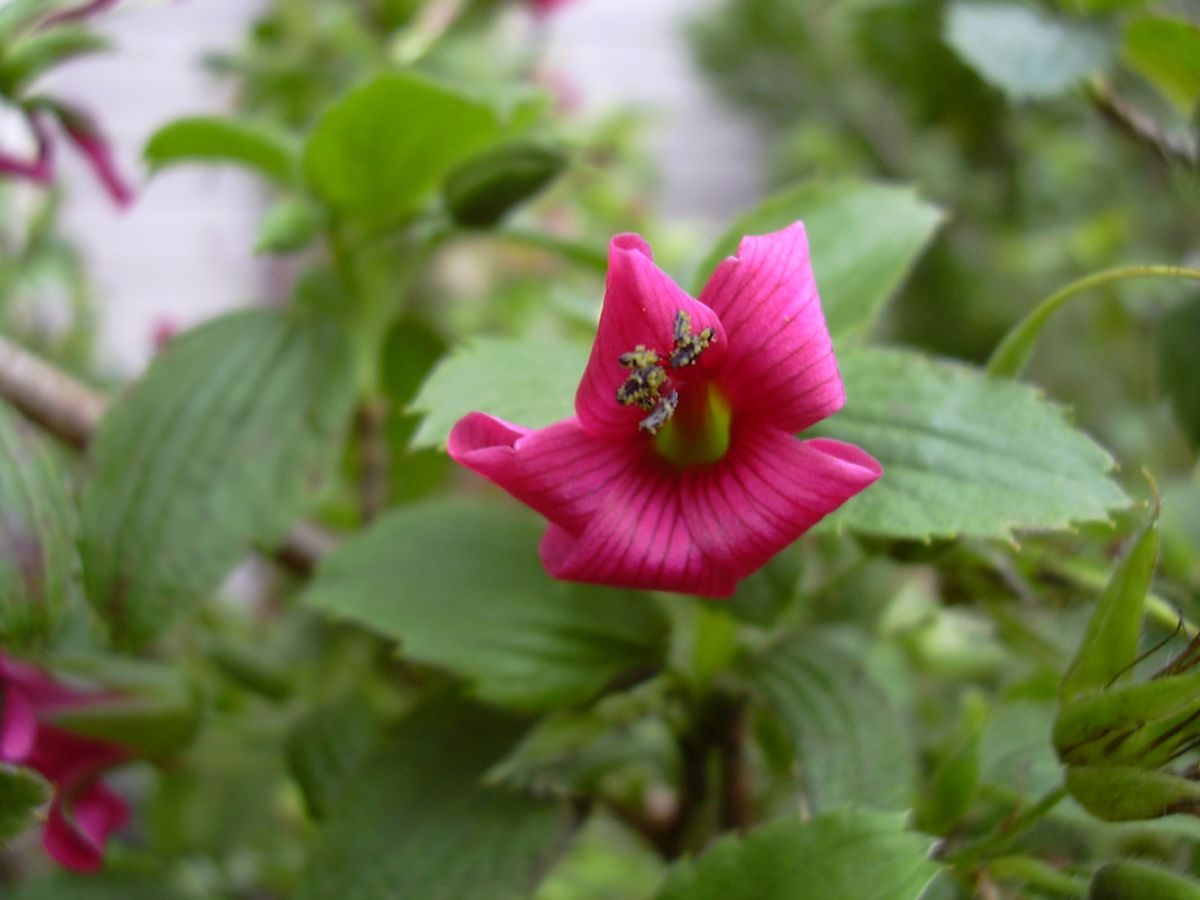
(214, 140)
(1135, 880)
(851, 744)
(843, 855)
(215, 449)
(863, 239)
(1126, 793)
(1176, 339)
(288, 226)
(379, 150)
(1109, 648)
(21, 792)
(415, 821)
(326, 747)
(485, 189)
(962, 453)
(606, 862)
(952, 784)
(106, 885)
(1167, 53)
(34, 54)
(527, 382)
(18, 14)
(38, 560)
(460, 586)
(1023, 51)
(1016, 755)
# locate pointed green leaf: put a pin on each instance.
(963, 454)
(1167, 53)
(38, 560)
(863, 238)
(842, 855)
(215, 449)
(460, 586)
(1109, 646)
(416, 822)
(207, 139)
(377, 152)
(21, 792)
(1023, 51)
(34, 54)
(851, 745)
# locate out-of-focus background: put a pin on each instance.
(181, 253)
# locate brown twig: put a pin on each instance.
(1144, 129)
(71, 411)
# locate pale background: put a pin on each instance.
(182, 252)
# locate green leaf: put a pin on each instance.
(1134, 880)
(415, 821)
(1167, 53)
(18, 14)
(206, 139)
(851, 744)
(1126, 793)
(1023, 51)
(38, 560)
(34, 54)
(21, 792)
(863, 239)
(382, 148)
(288, 226)
(1109, 646)
(1176, 339)
(529, 382)
(844, 855)
(326, 747)
(213, 450)
(460, 586)
(483, 190)
(964, 454)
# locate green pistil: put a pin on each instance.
(698, 432)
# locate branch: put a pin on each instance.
(1144, 129)
(71, 411)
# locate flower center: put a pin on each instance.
(688, 417)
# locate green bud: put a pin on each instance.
(485, 189)
(1125, 793)
(1128, 880)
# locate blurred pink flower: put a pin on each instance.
(83, 812)
(680, 470)
(545, 7)
(83, 11)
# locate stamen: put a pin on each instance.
(688, 346)
(661, 415)
(642, 387)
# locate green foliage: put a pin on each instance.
(852, 745)
(963, 454)
(1167, 53)
(377, 153)
(288, 226)
(21, 792)
(1133, 880)
(863, 239)
(483, 190)
(420, 574)
(326, 747)
(214, 450)
(1025, 52)
(842, 855)
(416, 822)
(38, 560)
(527, 382)
(1176, 339)
(257, 148)
(34, 54)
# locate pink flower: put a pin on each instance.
(545, 7)
(680, 470)
(83, 812)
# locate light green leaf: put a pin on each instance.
(38, 560)
(415, 821)
(460, 586)
(214, 140)
(382, 148)
(288, 226)
(1023, 51)
(21, 792)
(215, 449)
(1167, 53)
(851, 744)
(863, 239)
(1109, 647)
(844, 855)
(528, 382)
(34, 54)
(1176, 339)
(964, 454)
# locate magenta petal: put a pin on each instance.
(769, 490)
(39, 169)
(640, 305)
(77, 840)
(18, 728)
(560, 471)
(639, 538)
(766, 297)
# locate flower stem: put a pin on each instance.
(1007, 831)
(1013, 351)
